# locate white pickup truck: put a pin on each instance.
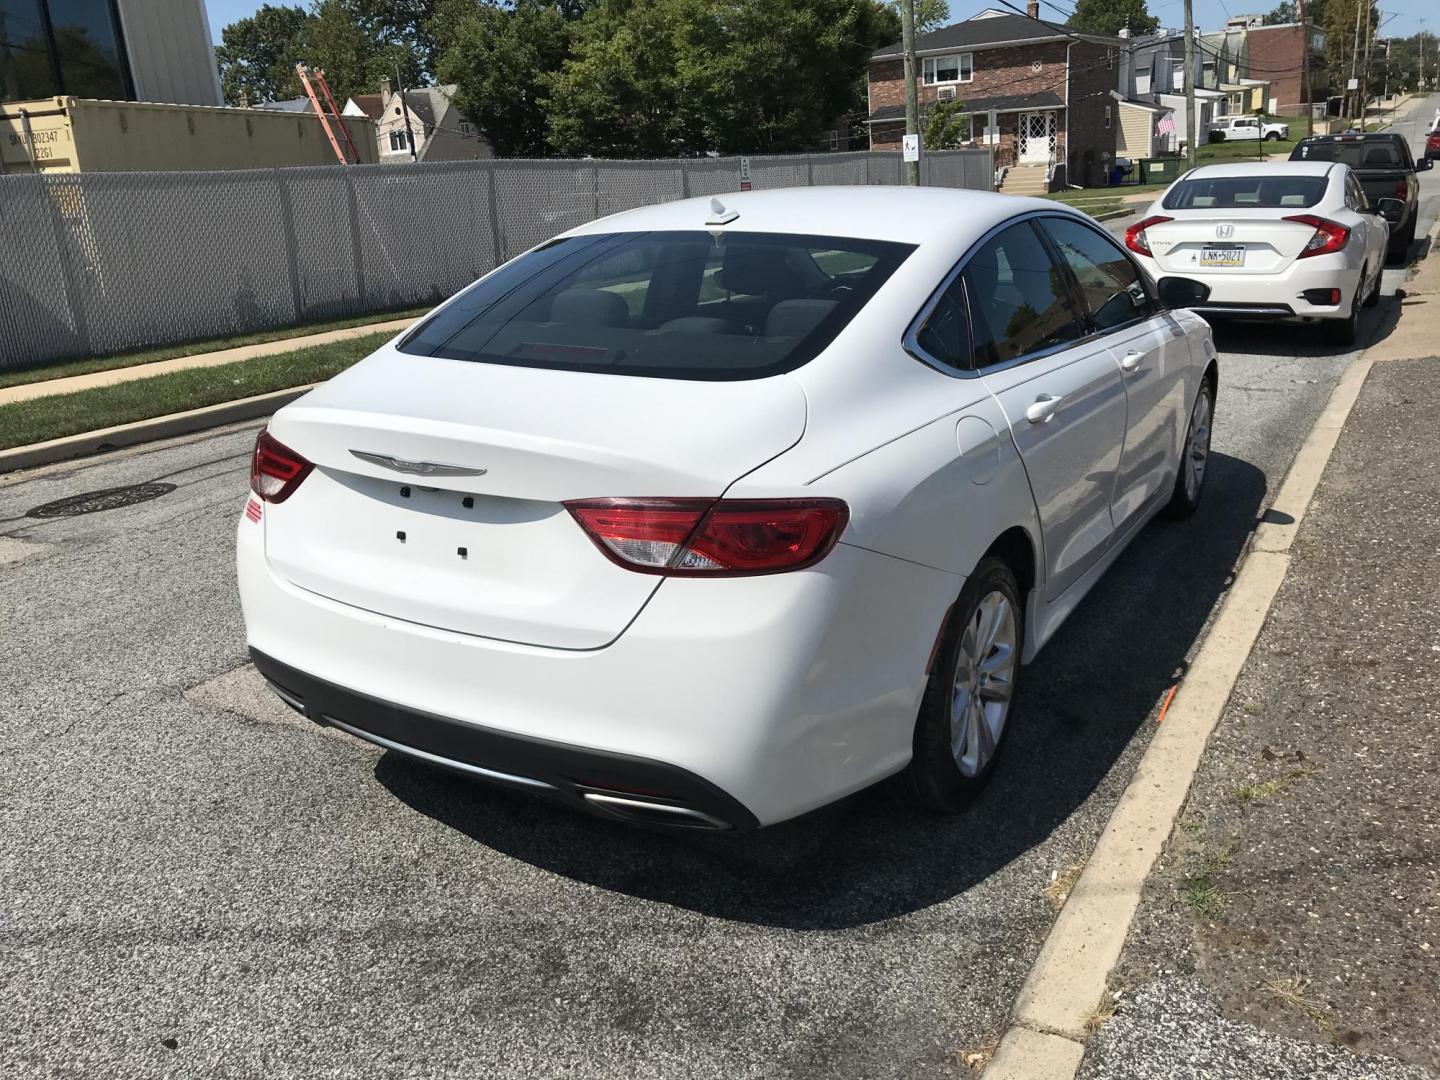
(1247, 127)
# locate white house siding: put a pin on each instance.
(171, 58)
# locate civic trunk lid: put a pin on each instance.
(485, 546)
(1261, 240)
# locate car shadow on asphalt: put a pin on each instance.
(869, 858)
(1276, 338)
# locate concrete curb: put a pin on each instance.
(1048, 1030)
(159, 427)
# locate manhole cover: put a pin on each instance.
(94, 501)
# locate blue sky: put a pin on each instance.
(1209, 14)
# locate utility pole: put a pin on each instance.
(1192, 133)
(912, 102)
(1305, 69)
(1365, 65)
(405, 110)
(1354, 59)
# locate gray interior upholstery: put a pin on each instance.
(796, 318)
(590, 307)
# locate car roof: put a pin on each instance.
(912, 215)
(1256, 168)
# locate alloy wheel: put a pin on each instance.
(1197, 446)
(984, 683)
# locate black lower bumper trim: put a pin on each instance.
(559, 770)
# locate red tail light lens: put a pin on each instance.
(1328, 237)
(276, 470)
(1402, 189)
(706, 538)
(1135, 238)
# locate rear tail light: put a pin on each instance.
(709, 538)
(1135, 238)
(1328, 237)
(1402, 189)
(276, 470)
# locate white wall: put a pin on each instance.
(171, 58)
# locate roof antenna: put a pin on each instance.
(719, 215)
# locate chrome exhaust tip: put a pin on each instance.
(643, 811)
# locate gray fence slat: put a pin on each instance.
(95, 263)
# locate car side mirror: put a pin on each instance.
(1179, 292)
(1424, 163)
(1392, 210)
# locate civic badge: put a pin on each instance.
(1224, 231)
(417, 468)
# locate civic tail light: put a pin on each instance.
(276, 470)
(710, 538)
(1328, 237)
(1135, 238)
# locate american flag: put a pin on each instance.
(1166, 124)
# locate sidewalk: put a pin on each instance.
(30, 391)
(1292, 929)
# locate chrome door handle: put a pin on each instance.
(1043, 408)
(1131, 360)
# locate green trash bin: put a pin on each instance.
(1159, 170)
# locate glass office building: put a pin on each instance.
(75, 47)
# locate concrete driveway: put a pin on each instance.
(197, 882)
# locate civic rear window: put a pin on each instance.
(1241, 192)
(683, 305)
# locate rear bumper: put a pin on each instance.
(751, 699)
(1279, 296)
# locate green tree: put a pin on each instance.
(1339, 25)
(929, 14)
(1112, 16)
(498, 59)
(945, 126)
(257, 55)
(356, 48)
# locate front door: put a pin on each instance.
(1037, 137)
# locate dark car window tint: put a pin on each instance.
(1266, 192)
(946, 333)
(1357, 153)
(683, 305)
(1019, 299)
(1109, 282)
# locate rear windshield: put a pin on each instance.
(1241, 192)
(1358, 154)
(683, 305)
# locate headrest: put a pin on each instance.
(694, 324)
(796, 318)
(754, 271)
(589, 307)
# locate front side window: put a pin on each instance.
(949, 69)
(1019, 299)
(1265, 191)
(683, 305)
(1109, 283)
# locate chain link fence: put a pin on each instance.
(100, 263)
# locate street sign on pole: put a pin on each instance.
(745, 174)
(911, 145)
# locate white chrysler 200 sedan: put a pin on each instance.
(1288, 240)
(708, 515)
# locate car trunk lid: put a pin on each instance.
(1229, 242)
(486, 547)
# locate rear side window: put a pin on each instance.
(1020, 301)
(946, 333)
(683, 305)
(1109, 283)
(1262, 192)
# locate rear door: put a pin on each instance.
(1061, 394)
(1151, 352)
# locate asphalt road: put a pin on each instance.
(197, 882)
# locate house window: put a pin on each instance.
(467, 128)
(399, 142)
(939, 70)
(1107, 117)
(832, 139)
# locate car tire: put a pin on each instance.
(1190, 476)
(954, 755)
(1373, 296)
(1343, 331)
(1274, 136)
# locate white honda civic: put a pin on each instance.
(709, 514)
(1288, 240)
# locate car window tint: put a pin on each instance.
(946, 333)
(1257, 191)
(1019, 298)
(1109, 282)
(682, 304)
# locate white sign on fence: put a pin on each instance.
(911, 145)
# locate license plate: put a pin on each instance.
(1222, 256)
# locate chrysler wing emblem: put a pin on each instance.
(417, 468)
(1224, 231)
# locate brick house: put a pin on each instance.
(1275, 53)
(1035, 92)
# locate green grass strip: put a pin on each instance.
(58, 415)
(85, 365)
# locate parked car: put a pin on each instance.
(1252, 128)
(1432, 146)
(709, 514)
(1293, 240)
(1385, 168)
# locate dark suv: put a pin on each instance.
(1382, 162)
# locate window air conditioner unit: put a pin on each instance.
(945, 93)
